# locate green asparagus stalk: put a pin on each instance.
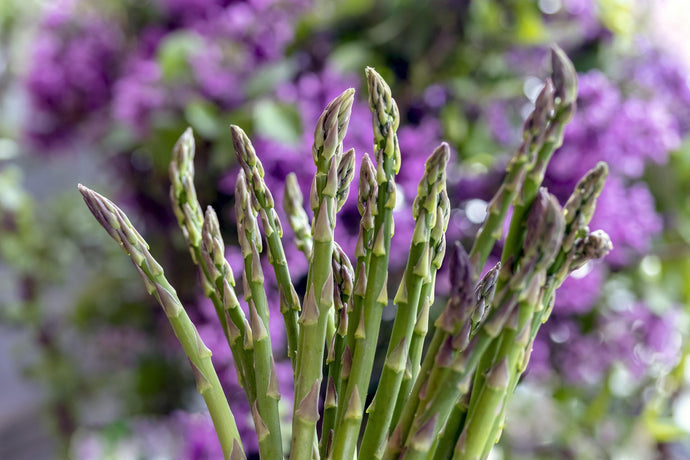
(532, 139)
(426, 299)
(425, 211)
(265, 408)
(327, 152)
(414, 430)
(545, 226)
(118, 226)
(343, 275)
(207, 249)
(262, 201)
(213, 262)
(564, 80)
(351, 319)
(297, 217)
(385, 122)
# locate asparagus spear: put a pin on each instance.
(327, 151)
(207, 249)
(265, 408)
(426, 299)
(118, 226)
(262, 201)
(385, 122)
(297, 217)
(545, 227)
(425, 211)
(351, 319)
(343, 275)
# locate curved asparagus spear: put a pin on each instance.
(425, 211)
(385, 122)
(118, 226)
(327, 151)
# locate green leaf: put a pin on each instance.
(280, 122)
(174, 51)
(204, 118)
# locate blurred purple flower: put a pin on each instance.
(628, 215)
(75, 60)
(138, 94)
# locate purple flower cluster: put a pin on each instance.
(634, 337)
(84, 73)
(76, 58)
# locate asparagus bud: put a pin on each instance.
(579, 208)
(460, 305)
(262, 202)
(484, 294)
(346, 172)
(564, 76)
(594, 246)
(182, 191)
(297, 217)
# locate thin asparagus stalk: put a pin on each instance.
(297, 217)
(265, 408)
(343, 275)
(425, 211)
(367, 193)
(118, 226)
(385, 122)
(533, 133)
(213, 263)
(328, 137)
(262, 201)
(426, 300)
(545, 227)
(444, 444)
(564, 80)
(208, 253)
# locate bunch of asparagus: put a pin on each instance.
(449, 403)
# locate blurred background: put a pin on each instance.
(97, 91)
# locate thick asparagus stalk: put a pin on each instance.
(425, 211)
(265, 408)
(327, 151)
(262, 201)
(385, 122)
(118, 226)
